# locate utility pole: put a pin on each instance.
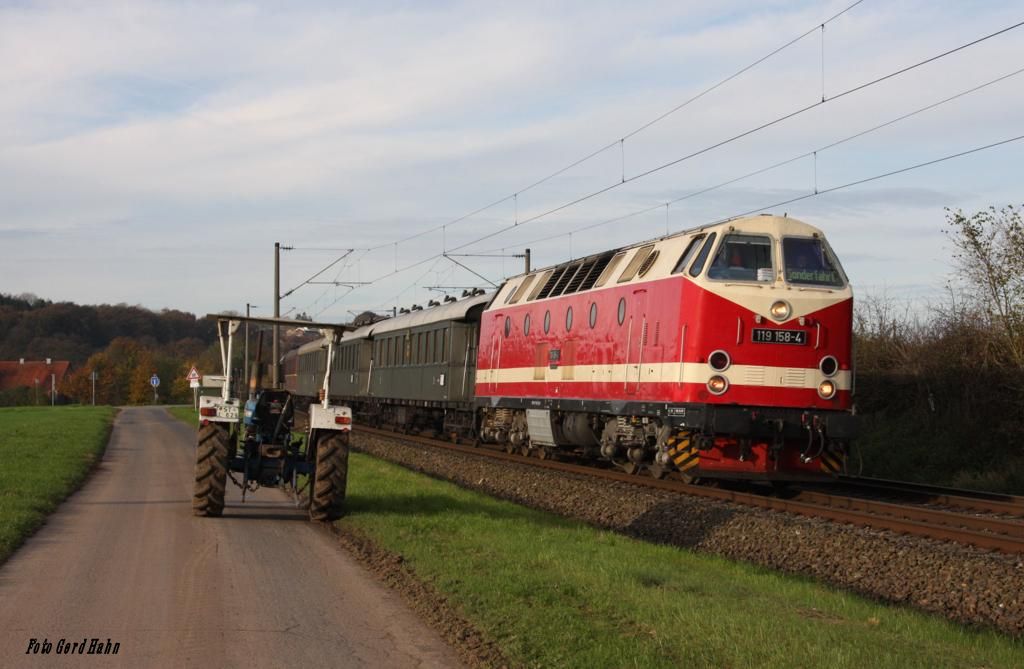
(248, 309)
(93, 376)
(275, 353)
(53, 389)
(527, 257)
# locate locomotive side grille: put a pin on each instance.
(550, 284)
(753, 376)
(794, 377)
(595, 271)
(567, 276)
(578, 278)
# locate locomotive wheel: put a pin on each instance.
(211, 470)
(657, 471)
(330, 478)
(525, 451)
(509, 448)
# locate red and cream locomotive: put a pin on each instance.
(720, 352)
(723, 352)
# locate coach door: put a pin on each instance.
(636, 339)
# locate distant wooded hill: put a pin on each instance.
(35, 328)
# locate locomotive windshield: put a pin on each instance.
(743, 258)
(809, 262)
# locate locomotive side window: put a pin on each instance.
(547, 321)
(539, 285)
(698, 265)
(568, 319)
(523, 287)
(691, 248)
(810, 262)
(508, 325)
(634, 265)
(593, 315)
(743, 258)
(622, 310)
(526, 324)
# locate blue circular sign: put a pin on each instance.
(154, 381)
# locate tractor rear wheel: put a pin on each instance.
(211, 470)
(330, 478)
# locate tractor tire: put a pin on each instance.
(330, 478)
(211, 470)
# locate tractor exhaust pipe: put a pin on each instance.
(256, 377)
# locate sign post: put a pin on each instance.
(92, 377)
(155, 382)
(193, 383)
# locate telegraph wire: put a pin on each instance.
(619, 142)
(773, 166)
(741, 135)
(849, 91)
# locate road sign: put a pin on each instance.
(194, 383)
(193, 375)
(154, 381)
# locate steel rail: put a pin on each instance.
(977, 500)
(1006, 543)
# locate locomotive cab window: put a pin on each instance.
(809, 262)
(698, 265)
(684, 259)
(743, 258)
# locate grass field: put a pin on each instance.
(554, 592)
(185, 413)
(45, 454)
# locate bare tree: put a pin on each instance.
(990, 257)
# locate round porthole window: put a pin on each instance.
(547, 321)
(526, 324)
(593, 314)
(568, 319)
(622, 310)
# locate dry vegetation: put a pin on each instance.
(941, 387)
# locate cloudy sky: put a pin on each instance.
(152, 153)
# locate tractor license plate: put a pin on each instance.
(227, 412)
(766, 336)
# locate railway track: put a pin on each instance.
(961, 526)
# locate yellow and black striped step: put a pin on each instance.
(683, 451)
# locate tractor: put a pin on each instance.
(256, 443)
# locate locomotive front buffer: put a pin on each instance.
(254, 445)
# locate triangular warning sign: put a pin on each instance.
(193, 375)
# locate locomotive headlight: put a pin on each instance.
(719, 360)
(829, 366)
(826, 389)
(718, 384)
(780, 310)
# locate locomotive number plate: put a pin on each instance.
(766, 336)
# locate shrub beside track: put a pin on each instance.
(46, 454)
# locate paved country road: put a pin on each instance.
(125, 559)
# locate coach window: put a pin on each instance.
(743, 258)
(702, 257)
(444, 345)
(508, 325)
(547, 321)
(593, 315)
(622, 310)
(568, 319)
(526, 324)
(691, 248)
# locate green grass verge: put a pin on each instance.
(185, 413)
(553, 592)
(46, 453)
